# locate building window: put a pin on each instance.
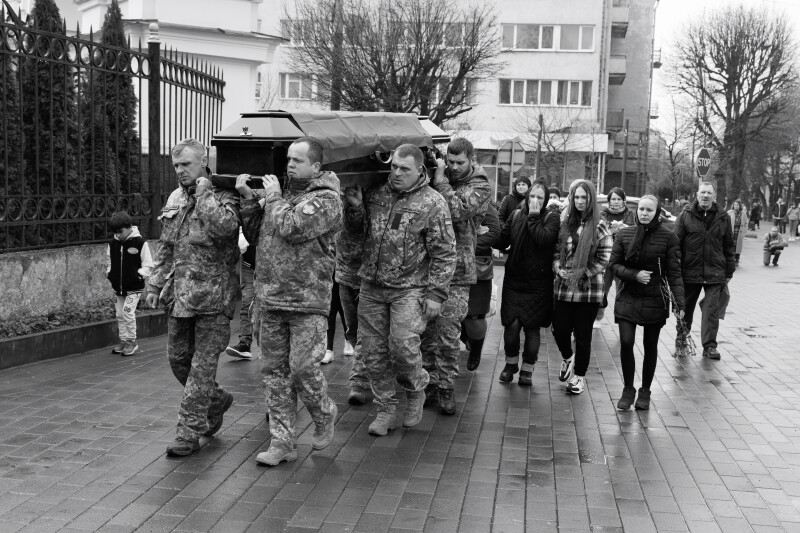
(528, 36)
(540, 92)
(444, 84)
(574, 37)
(293, 30)
(295, 87)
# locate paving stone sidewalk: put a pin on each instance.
(82, 443)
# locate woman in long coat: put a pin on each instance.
(643, 256)
(738, 223)
(527, 305)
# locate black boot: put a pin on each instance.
(475, 348)
(643, 400)
(507, 375)
(628, 395)
(431, 394)
(447, 402)
(525, 378)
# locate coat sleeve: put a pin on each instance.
(616, 262)
(598, 263)
(488, 239)
(252, 214)
(307, 220)
(729, 250)
(504, 240)
(219, 213)
(440, 242)
(543, 229)
(504, 211)
(674, 276)
(163, 258)
(466, 201)
(147, 262)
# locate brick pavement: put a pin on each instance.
(82, 443)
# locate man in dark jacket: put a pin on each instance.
(707, 262)
(465, 188)
(295, 233)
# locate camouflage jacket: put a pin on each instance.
(409, 240)
(296, 236)
(468, 199)
(349, 254)
(195, 261)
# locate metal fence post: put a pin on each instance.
(154, 128)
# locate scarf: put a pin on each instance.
(616, 210)
(586, 239)
(642, 229)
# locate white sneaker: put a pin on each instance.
(348, 349)
(328, 357)
(567, 369)
(596, 325)
(576, 385)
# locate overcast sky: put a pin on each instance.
(673, 15)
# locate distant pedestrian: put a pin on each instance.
(707, 264)
(581, 257)
(644, 257)
(130, 264)
(527, 303)
(511, 202)
(779, 214)
(738, 218)
(617, 216)
(774, 243)
(336, 312)
(195, 277)
(755, 216)
(241, 350)
(793, 216)
(295, 233)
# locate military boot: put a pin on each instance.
(384, 422)
(414, 403)
(447, 402)
(214, 425)
(431, 394)
(181, 447)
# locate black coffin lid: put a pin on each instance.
(357, 145)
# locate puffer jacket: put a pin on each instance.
(707, 247)
(296, 235)
(409, 239)
(467, 199)
(195, 262)
(645, 304)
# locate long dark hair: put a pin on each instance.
(587, 241)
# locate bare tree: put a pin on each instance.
(420, 56)
(268, 91)
(677, 135)
(736, 65)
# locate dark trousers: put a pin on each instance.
(511, 342)
(573, 318)
(349, 300)
(627, 337)
(336, 309)
(709, 324)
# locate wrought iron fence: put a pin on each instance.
(85, 130)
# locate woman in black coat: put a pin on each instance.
(512, 201)
(642, 256)
(532, 233)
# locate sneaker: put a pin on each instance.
(348, 349)
(643, 400)
(525, 378)
(276, 454)
(507, 375)
(328, 357)
(576, 385)
(182, 447)
(240, 351)
(357, 396)
(711, 352)
(447, 402)
(323, 435)
(383, 423)
(567, 369)
(130, 348)
(119, 347)
(213, 426)
(626, 400)
(414, 403)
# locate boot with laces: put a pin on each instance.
(384, 422)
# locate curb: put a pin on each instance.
(73, 340)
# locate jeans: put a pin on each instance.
(709, 324)
(336, 309)
(575, 318)
(530, 351)
(349, 297)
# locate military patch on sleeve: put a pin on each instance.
(312, 206)
(474, 198)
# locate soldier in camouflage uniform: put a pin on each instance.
(195, 277)
(296, 233)
(349, 252)
(465, 188)
(409, 258)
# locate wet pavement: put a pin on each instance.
(82, 442)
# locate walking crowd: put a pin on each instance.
(407, 264)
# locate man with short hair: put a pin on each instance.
(708, 262)
(465, 187)
(195, 277)
(295, 233)
(409, 258)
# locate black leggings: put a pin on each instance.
(627, 337)
(336, 309)
(530, 351)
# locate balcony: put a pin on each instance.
(657, 58)
(620, 13)
(615, 119)
(617, 69)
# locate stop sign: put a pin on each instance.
(703, 162)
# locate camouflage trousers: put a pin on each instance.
(349, 297)
(292, 345)
(194, 346)
(389, 325)
(440, 349)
